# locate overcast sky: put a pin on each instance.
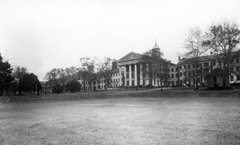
(46, 34)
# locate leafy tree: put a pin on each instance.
(72, 73)
(18, 73)
(95, 70)
(87, 70)
(73, 86)
(194, 51)
(31, 83)
(224, 39)
(52, 76)
(5, 75)
(14, 87)
(62, 76)
(105, 70)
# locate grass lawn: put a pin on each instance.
(125, 120)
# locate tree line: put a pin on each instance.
(17, 79)
(91, 70)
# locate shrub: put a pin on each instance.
(73, 86)
(57, 89)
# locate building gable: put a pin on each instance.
(130, 56)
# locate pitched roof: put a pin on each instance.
(130, 56)
(206, 58)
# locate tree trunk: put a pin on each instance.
(84, 89)
(196, 77)
(20, 92)
(161, 82)
(160, 77)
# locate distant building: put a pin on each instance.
(207, 64)
(172, 75)
(46, 87)
(130, 71)
(127, 72)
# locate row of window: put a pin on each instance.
(115, 85)
(238, 78)
(233, 69)
(115, 80)
(206, 64)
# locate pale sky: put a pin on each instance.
(46, 34)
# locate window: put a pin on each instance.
(237, 60)
(185, 66)
(238, 77)
(193, 72)
(214, 62)
(172, 70)
(237, 68)
(180, 74)
(220, 63)
(231, 61)
(189, 66)
(206, 70)
(206, 64)
(172, 75)
(232, 78)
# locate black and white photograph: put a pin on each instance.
(119, 72)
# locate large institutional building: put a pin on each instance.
(129, 72)
(209, 65)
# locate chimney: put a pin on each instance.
(179, 58)
(114, 65)
(211, 53)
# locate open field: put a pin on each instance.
(127, 120)
(129, 93)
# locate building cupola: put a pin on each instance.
(156, 49)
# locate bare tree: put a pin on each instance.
(87, 70)
(52, 76)
(153, 65)
(94, 70)
(194, 50)
(224, 39)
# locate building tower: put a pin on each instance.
(156, 49)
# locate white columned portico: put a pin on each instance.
(130, 74)
(125, 75)
(120, 76)
(141, 75)
(135, 74)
